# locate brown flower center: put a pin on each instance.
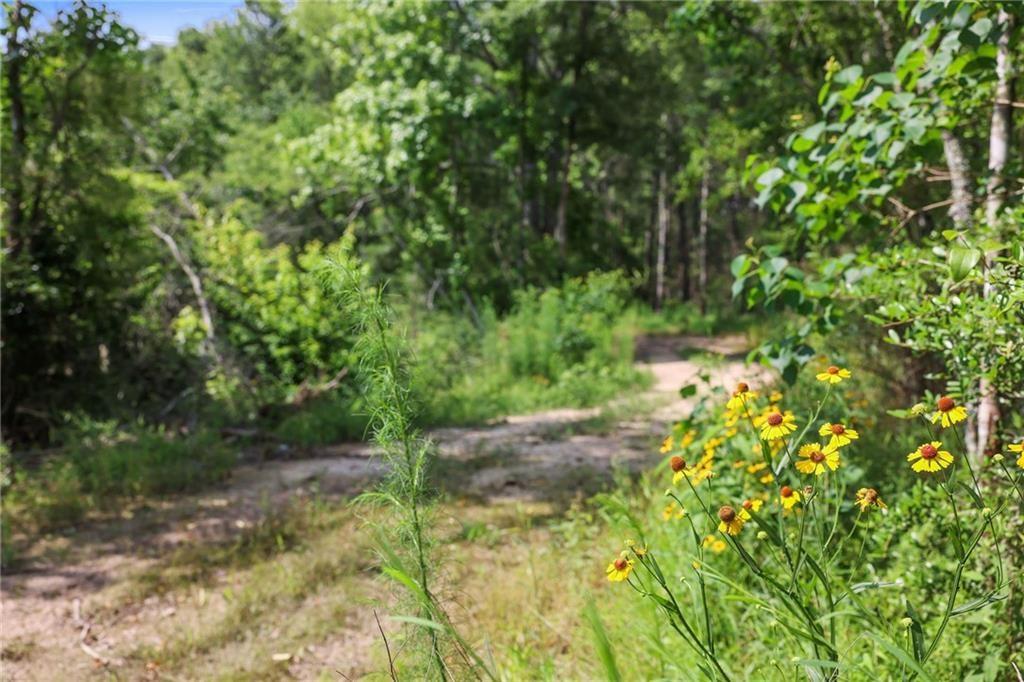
(677, 463)
(929, 452)
(742, 387)
(621, 564)
(838, 429)
(786, 491)
(817, 456)
(871, 495)
(833, 369)
(774, 419)
(748, 505)
(727, 514)
(946, 403)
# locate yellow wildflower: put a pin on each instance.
(716, 545)
(949, 412)
(740, 397)
(813, 459)
(1019, 448)
(749, 506)
(666, 445)
(671, 511)
(777, 425)
(833, 375)
(788, 497)
(639, 550)
(729, 521)
(619, 569)
(867, 497)
(841, 435)
(929, 458)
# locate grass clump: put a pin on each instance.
(103, 464)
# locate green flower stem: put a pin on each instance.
(977, 488)
(1013, 480)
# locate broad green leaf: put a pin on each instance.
(961, 261)
(849, 75)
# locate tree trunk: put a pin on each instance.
(663, 219)
(962, 208)
(702, 237)
(561, 233)
(998, 152)
(527, 152)
(15, 216)
(684, 252)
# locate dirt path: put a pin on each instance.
(551, 455)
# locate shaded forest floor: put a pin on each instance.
(273, 576)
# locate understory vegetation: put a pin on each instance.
(561, 340)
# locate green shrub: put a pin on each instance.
(562, 346)
(329, 419)
(685, 317)
(150, 462)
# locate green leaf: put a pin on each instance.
(916, 633)
(849, 75)
(769, 177)
(740, 265)
(961, 261)
(900, 655)
(688, 391)
(978, 603)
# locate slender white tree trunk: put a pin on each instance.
(998, 153)
(663, 217)
(702, 237)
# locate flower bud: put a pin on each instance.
(997, 458)
(907, 622)
(987, 512)
(761, 535)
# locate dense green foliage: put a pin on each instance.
(159, 244)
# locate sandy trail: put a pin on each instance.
(543, 456)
